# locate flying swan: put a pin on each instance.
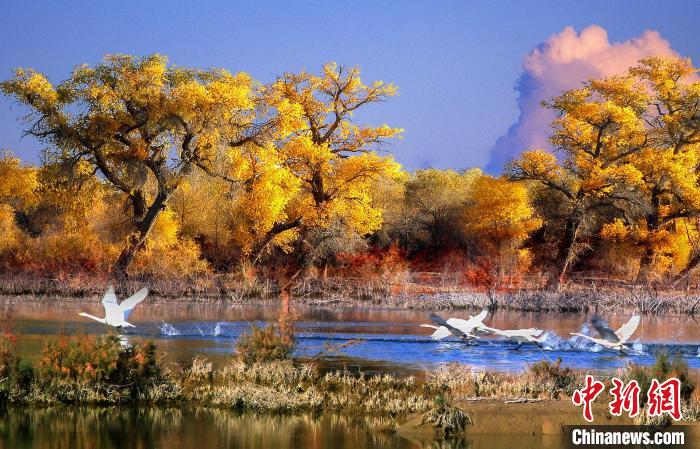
(117, 314)
(522, 336)
(466, 329)
(612, 339)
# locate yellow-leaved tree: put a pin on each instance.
(500, 217)
(325, 165)
(661, 222)
(630, 155)
(669, 162)
(598, 130)
(143, 124)
(18, 185)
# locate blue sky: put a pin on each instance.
(456, 63)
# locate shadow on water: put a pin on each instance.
(107, 428)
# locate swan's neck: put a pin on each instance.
(87, 315)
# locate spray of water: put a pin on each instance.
(168, 329)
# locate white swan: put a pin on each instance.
(440, 333)
(117, 314)
(612, 339)
(522, 336)
(467, 329)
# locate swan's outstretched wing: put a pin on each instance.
(452, 325)
(440, 333)
(468, 326)
(437, 319)
(481, 316)
(598, 341)
(110, 297)
(530, 332)
(128, 304)
(601, 326)
(625, 332)
(464, 326)
(113, 313)
(484, 330)
(587, 337)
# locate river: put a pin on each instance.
(362, 338)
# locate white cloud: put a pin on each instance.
(562, 62)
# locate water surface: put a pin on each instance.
(359, 338)
(113, 428)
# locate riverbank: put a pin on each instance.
(371, 293)
(100, 371)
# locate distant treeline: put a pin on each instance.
(163, 171)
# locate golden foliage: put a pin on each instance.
(499, 215)
(18, 183)
(499, 211)
(184, 163)
(9, 233)
(167, 255)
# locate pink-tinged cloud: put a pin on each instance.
(563, 62)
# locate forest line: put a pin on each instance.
(159, 171)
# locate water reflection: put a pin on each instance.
(100, 428)
(175, 429)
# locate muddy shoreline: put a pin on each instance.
(571, 301)
(530, 419)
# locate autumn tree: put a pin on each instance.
(18, 185)
(325, 163)
(664, 226)
(597, 131)
(669, 164)
(203, 208)
(142, 124)
(18, 182)
(629, 145)
(434, 203)
(499, 215)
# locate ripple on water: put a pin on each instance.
(392, 338)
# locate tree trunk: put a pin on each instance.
(271, 234)
(566, 251)
(644, 273)
(685, 272)
(138, 202)
(138, 239)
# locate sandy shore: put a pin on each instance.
(495, 417)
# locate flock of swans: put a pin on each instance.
(474, 328)
(116, 315)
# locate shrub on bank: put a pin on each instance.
(551, 377)
(664, 368)
(542, 380)
(266, 344)
(99, 369)
(8, 357)
(282, 386)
